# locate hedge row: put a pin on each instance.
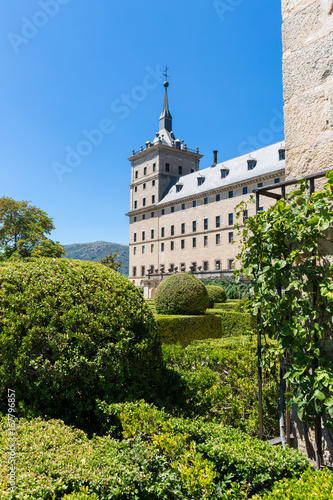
(215, 324)
(158, 458)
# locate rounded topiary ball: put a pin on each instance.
(73, 332)
(181, 294)
(216, 294)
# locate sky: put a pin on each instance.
(82, 86)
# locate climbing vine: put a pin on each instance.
(284, 252)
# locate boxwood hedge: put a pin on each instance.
(216, 294)
(72, 332)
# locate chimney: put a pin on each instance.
(215, 157)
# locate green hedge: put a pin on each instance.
(181, 294)
(185, 329)
(232, 323)
(159, 458)
(312, 484)
(216, 294)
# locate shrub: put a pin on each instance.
(312, 484)
(217, 379)
(181, 294)
(233, 289)
(72, 332)
(215, 294)
(186, 329)
(233, 323)
(83, 494)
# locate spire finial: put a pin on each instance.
(166, 118)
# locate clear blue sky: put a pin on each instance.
(70, 66)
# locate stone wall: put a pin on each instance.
(308, 85)
(308, 96)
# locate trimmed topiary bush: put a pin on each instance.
(215, 294)
(185, 329)
(72, 332)
(181, 294)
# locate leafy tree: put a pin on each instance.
(283, 252)
(23, 230)
(110, 261)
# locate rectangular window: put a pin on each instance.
(245, 190)
(182, 244)
(152, 234)
(162, 247)
(231, 219)
(144, 185)
(183, 228)
(205, 201)
(152, 214)
(205, 224)
(194, 203)
(134, 271)
(231, 264)
(134, 250)
(180, 170)
(282, 154)
(194, 242)
(218, 197)
(153, 199)
(143, 249)
(205, 241)
(183, 206)
(217, 221)
(217, 265)
(162, 232)
(260, 184)
(144, 217)
(136, 174)
(136, 189)
(201, 180)
(245, 214)
(231, 237)
(134, 220)
(167, 167)
(251, 164)
(172, 245)
(172, 230)
(163, 211)
(231, 194)
(135, 204)
(134, 237)
(217, 239)
(144, 202)
(205, 265)
(172, 209)
(154, 167)
(143, 270)
(143, 236)
(152, 248)
(261, 209)
(276, 181)
(153, 183)
(194, 225)
(145, 171)
(192, 170)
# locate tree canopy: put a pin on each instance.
(110, 261)
(23, 230)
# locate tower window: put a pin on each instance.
(152, 214)
(144, 217)
(145, 171)
(231, 219)
(144, 202)
(162, 232)
(144, 185)
(152, 248)
(231, 194)
(153, 199)
(172, 245)
(217, 239)
(194, 242)
(136, 189)
(136, 174)
(134, 271)
(183, 206)
(163, 211)
(217, 221)
(143, 249)
(134, 219)
(180, 170)
(167, 167)
(183, 228)
(172, 230)
(205, 224)
(153, 182)
(152, 234)
(231, 237)
(218, 197)
(172, 209)
(154, 167)
(251, 164)
(143, 236)
(194, 226)
(205, 241)
(206, 201)
(162, 247)
(182, 244)
(282, 154)
(194, 204)
(245, 190)
(134, 237)
(143, 270)
(135, 204)
(245, 214)
(134, 250)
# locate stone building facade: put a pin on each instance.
(182, 217)
(308, 96)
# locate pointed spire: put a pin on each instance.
(166, 118)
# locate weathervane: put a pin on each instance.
(166, 72)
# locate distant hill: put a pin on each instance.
(94, 252)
